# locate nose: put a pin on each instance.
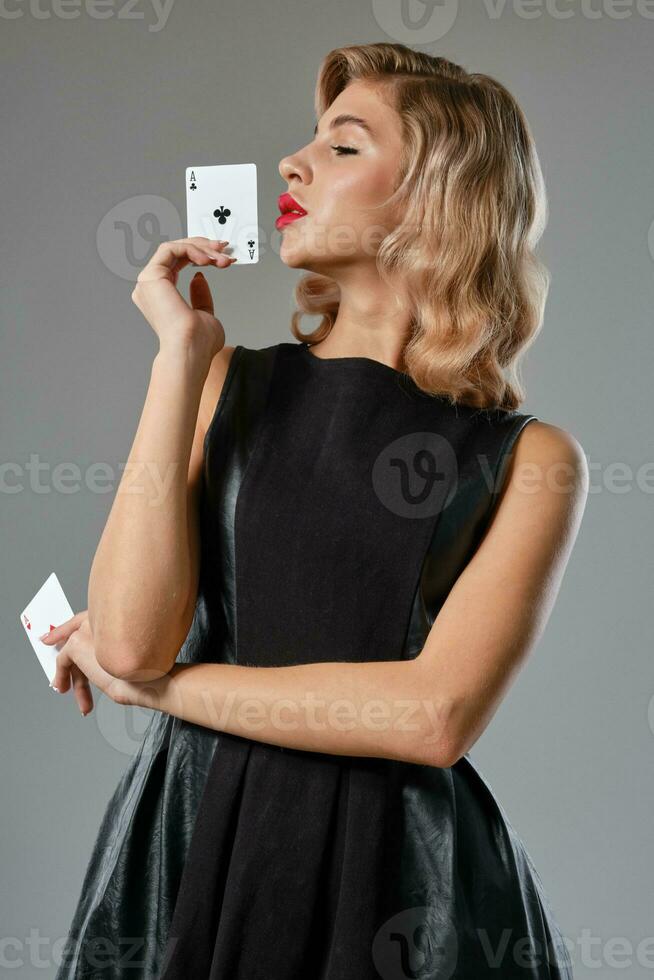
(291, 166)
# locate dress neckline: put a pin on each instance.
(367, 362)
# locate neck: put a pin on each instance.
(369, 323)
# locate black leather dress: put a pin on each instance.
(340, 503)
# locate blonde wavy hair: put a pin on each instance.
(472, 193)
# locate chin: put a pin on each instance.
(296, 258)
(294, 262)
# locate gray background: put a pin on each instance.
(100, 111)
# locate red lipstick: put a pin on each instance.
(290, 210)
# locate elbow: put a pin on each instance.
(442, 754)
(450, 755)
(128, 660)
(127, 664)
(440, 741)
(118, 662)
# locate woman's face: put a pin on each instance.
(339, 187)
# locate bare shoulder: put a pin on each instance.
(213, 386)
(546, 481)
(543, 442)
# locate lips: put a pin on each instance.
(288, 203)
(290, 210)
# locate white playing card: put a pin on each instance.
(48, 608)
(221, 203)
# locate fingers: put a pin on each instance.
(200, 294)
(170, 257)
(61, 679)
(211, 251)
(63, 631)
(81, 690)
(214, 248)
(66, 672)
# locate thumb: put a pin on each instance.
(201, 298)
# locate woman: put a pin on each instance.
(350, 514)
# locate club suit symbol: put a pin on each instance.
(222, 214)
(193, 187)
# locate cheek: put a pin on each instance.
(376, 189)
(353, 195)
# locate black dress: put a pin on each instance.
(340, 503)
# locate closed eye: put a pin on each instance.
(344, 149)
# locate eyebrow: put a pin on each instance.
(346, 118)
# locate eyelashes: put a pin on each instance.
(342, 150)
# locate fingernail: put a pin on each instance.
(55, 689)
(44, 636)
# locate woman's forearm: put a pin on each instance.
(140, 581)
(387, 709)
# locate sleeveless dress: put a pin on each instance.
(339, 505)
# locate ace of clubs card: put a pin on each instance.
(221, 203)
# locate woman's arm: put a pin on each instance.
(432, 709)
(144, 576)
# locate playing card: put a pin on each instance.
(221, 203)
(48, 608)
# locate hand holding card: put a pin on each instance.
(177, 324)
(48, 609)
(49, 621)
(53, 629)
